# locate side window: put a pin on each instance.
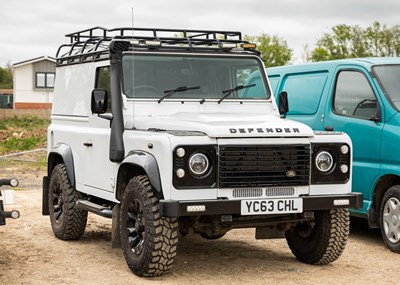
(304, 92)
(354, 96)
(103, 82)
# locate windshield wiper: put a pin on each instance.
(230, 91)
(179, 89)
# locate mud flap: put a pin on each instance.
(115, 233)
(45, 196)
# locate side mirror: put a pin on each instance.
(283, 104)
(99, 101)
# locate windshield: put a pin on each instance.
(389, 79)
(192, 77)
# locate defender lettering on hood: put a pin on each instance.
(263, 130)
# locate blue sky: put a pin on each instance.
(30, 29)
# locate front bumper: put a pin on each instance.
(232, 207)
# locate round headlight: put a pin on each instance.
(324, 161)
(198, 164)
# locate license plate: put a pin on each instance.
(271, 206)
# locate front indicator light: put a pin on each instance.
(180, 173)
(344, 168)
(344, 149)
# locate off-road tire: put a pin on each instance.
(149, 242)
(67, 221)
(322, 241)
(390, 218)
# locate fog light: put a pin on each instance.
(344, 149)
(180, 173)
(342, 202)
(196, 208)
(344, 168)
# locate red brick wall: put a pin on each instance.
(32, 105)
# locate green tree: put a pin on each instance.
(343, 42)
(6, 77)
(274, 50)
(353, 41)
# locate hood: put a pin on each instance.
(217, 125)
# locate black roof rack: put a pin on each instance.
(93, 44)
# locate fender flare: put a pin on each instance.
(63, 152)
(147, 162)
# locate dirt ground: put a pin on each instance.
(30, 254)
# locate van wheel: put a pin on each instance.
(148, 241)
(67, 221)
(323, 240)
(390, 218)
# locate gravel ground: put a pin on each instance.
(30, 254)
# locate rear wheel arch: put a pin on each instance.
(62, 153)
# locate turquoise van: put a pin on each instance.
(360, 97)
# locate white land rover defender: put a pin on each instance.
(169, 132)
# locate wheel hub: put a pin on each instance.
(58, 203)
(391, 216)
(135, 227)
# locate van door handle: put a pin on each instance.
(88, 144)
(329, 128)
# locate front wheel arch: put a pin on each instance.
(139, 163)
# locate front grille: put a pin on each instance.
(263, 165)
(247, 192)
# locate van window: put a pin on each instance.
(354, 96)
(388, 77)
(304, 92)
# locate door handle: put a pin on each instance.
(88, 144)
(329, 128)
